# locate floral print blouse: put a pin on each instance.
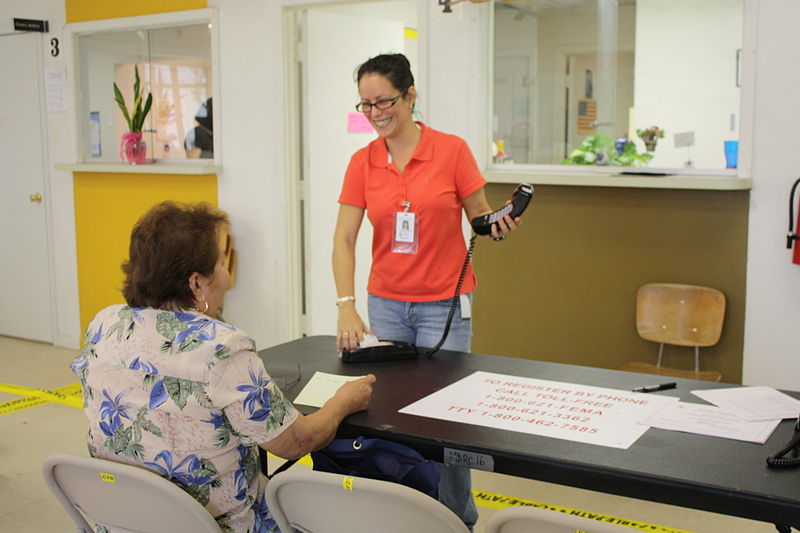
(186, 396)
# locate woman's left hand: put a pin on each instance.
(504, 226)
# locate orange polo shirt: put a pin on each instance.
(439, 175)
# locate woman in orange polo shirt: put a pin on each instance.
(413, 182)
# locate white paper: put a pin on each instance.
(710, 420)
(753, 403)
(321, 388)
(606, 417)
(55, 85)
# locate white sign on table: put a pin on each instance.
(594, 415)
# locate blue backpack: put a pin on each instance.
(380, 459)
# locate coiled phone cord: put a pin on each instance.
(776, 460)
(455, 298)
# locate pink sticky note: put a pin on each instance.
(358, 123)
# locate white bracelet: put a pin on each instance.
(344, 299)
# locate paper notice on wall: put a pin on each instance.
(358, 123)
(55, 85)
(594, 415)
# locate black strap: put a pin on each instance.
(262, 454)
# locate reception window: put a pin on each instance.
(637, 83)
(172, 68)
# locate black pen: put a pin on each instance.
(654, 388)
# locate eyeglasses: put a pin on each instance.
(383, 105)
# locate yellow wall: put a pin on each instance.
(83, 10)
(106, 208)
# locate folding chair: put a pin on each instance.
(536, 519)
(125, 498)
(320, 502)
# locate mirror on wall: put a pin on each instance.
(645, 83)
(174, 66)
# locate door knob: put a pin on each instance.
(37, 197)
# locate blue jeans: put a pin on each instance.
(422, 323)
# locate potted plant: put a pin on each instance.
(650, 137)
(132, 145)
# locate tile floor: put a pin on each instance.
(28, 436)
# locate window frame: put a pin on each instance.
(74, 31)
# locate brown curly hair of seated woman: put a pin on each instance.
(169, 243)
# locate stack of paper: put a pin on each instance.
(742, 413)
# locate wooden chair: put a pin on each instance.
(682, 315)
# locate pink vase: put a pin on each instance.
(133, 148)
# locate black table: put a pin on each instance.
(712, 474)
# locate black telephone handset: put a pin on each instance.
(777, 459)
(482, 225)
(400, 351)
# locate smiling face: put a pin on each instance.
(374, 87)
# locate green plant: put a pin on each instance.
(599, 149)
(135, 119)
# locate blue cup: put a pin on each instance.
(731, 154)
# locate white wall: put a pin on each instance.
(58, 187)
(680, 47)
(457, 73)
(772, 320)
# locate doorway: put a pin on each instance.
(331, 42)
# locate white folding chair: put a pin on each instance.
(535, 519)
(320, 502)
(125, 498)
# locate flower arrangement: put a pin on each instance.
(135, 119)
(132, 146)
(650, 137)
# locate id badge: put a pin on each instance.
(404, 236)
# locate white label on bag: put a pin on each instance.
(478, 461)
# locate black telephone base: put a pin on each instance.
(396, 351)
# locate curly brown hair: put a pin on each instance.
(168, 244)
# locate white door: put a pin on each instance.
(335, 45)
(25, 303)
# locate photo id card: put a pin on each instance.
(404, 239)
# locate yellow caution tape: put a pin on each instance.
(499, 501)
(68, 395)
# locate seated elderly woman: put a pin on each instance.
(168, 387)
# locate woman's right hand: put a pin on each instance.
(350, 328)
(357, 393)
